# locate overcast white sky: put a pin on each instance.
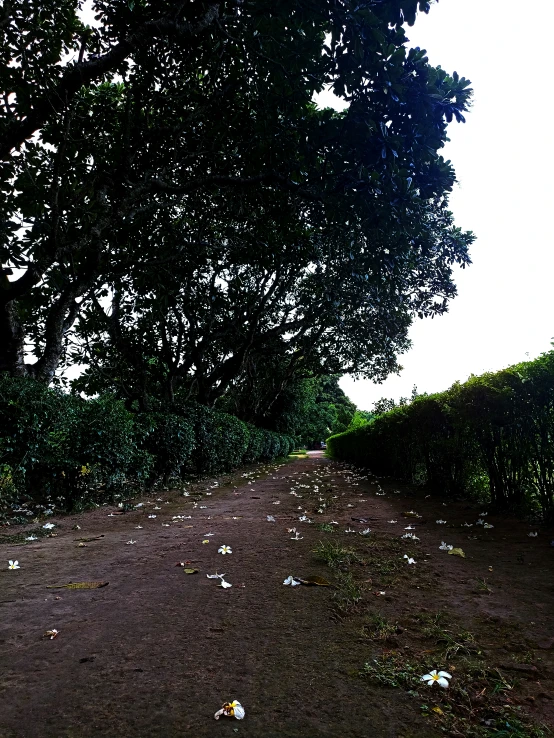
(504, 160)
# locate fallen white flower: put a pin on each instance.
(409, 527)
(151, 516)
(224, 550)
(138, 527)
(49, 526)
(445, 547)
(488, 525)
(270, 519)
(224, 584)
(410, 560)
(130, 543)
(231, 709)
(34, 538)
(365, 532)
(292, 581)
(13, 564)
(441, 678)
(531, 535)
(393, 521)
(440, 522)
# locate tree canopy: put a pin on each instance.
(177, 210)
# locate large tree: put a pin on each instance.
(169, 160)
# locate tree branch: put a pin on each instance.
(82, 74)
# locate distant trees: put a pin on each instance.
(177, 212)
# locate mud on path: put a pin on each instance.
(156, 652)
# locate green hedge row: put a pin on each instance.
(60, 447)
(492, 435)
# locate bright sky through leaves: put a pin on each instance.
(504, 160)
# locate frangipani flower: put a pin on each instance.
(270, 519)
(13, 565)
(365, 532)
(440, 522)
(488, 525)
(411, 536)
(48, 526)
(152, 516)
(215, 576)
(34, 538)
(409, 527)
(131, 542)
(440, 677)
(292, 581)
(445, 547)
(349, 530)
(51, 634)
(297, 537)
(410, 560)
(138, 527)
(531, 535)
(224, 584)
(480, 522)
(231, 709)
(393, 521)
(224, 550)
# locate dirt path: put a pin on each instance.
(156, 652)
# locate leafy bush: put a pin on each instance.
(492, 435)
(62, 447)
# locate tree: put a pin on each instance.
(170, 160)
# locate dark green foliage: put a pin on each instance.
(492, 435)
(175, 164)
(169, 439)
(60, 447)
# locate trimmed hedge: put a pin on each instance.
(492, 436)
(55, 446)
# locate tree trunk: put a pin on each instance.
(12, 341)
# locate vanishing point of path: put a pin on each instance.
(156, 652)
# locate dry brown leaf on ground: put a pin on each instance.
(317, 581)
(457, 552)
(78, 585)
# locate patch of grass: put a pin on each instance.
(379, 627)
(454, 644)
(348, 593)
(482, 586)
(335, 555)
(19, 538)
(393, 670)
(327, 527)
